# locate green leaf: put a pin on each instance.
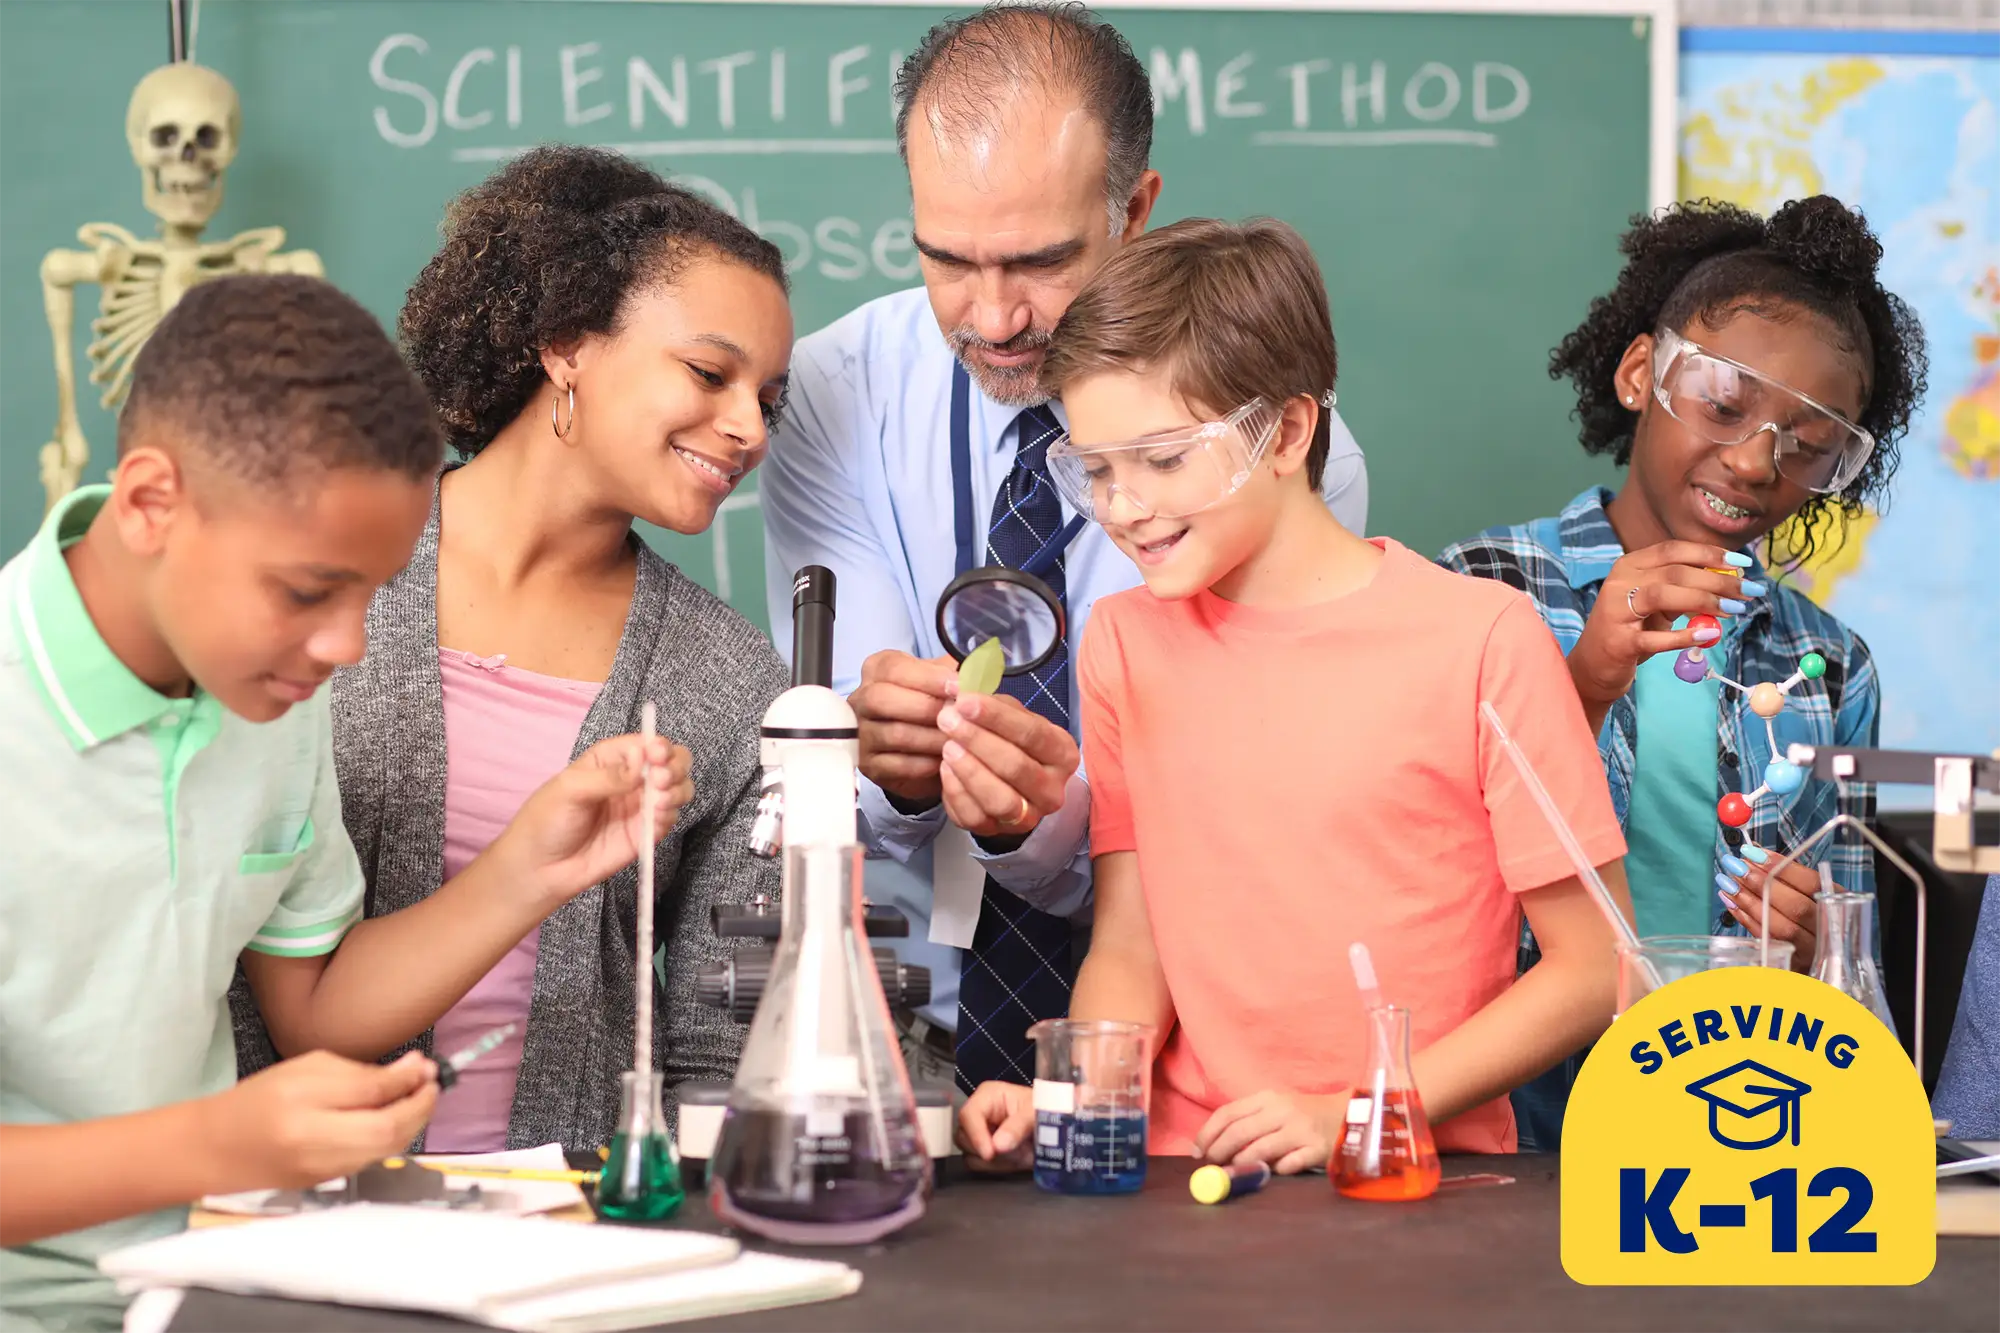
(982, 668)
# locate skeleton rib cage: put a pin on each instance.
(134, 303)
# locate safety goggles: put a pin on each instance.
(1169, 475)
(1726, 402)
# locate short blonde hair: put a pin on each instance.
(1233, 312)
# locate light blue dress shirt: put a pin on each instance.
(859, 480)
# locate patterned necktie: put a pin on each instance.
(1018, 970)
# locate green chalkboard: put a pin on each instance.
(1463, 178)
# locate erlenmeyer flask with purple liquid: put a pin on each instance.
(820, 1144)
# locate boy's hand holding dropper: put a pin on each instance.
(291, 1126)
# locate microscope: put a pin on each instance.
(737, 985)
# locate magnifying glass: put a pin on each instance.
(994, 602)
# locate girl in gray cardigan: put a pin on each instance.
(604, 347)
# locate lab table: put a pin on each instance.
(1001, 1254)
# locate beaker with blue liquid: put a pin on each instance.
(1093, 1081)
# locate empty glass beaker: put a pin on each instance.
(1386, 1152)
(1660, 959)
(1844, 957)
(820, 1144)
(1093, 1083)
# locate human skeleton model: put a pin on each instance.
(183, 126)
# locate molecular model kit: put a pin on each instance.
(1781, 776)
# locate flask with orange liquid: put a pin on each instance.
(1385, 1152)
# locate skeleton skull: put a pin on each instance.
(183, 125)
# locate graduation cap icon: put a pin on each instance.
(1747, 1100)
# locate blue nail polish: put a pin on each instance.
(1751, 588)
(1738, 559)
(1728, 889)
(1732, 866)
(1732, 607)
(1756, 853)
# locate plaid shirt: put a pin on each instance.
(1562, 563)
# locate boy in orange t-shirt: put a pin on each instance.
(1283, 742)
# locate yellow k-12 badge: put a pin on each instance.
(1748, 1126)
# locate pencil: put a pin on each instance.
(512, 1173)
(483, 1169)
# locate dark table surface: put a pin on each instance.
(1001, 1254)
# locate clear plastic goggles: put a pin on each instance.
(1169, 475)
(1726, 402)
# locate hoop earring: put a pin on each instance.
(556, 423)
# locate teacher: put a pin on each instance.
(914, 447)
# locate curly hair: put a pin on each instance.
(269, 374)
(1712, 261)
(545, 251)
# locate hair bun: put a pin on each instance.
(1828, 241)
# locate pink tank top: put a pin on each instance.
(506, 732)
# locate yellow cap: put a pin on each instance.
(1209, 1184)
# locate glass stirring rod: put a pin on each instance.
(641, 1180)
(642, 971)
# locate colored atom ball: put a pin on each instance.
(1690, 668)
(1812, 666)
(1733, 810)
(1783, 777)
(1767, 700)
(1698, 623)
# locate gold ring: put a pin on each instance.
(1020, 818)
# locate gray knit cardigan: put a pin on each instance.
(710, 674)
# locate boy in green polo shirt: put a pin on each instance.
(168, 803)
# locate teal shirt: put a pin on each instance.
(1669, 832)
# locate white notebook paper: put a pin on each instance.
(530, 1274)
(409, 1258)
(750, 1282)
